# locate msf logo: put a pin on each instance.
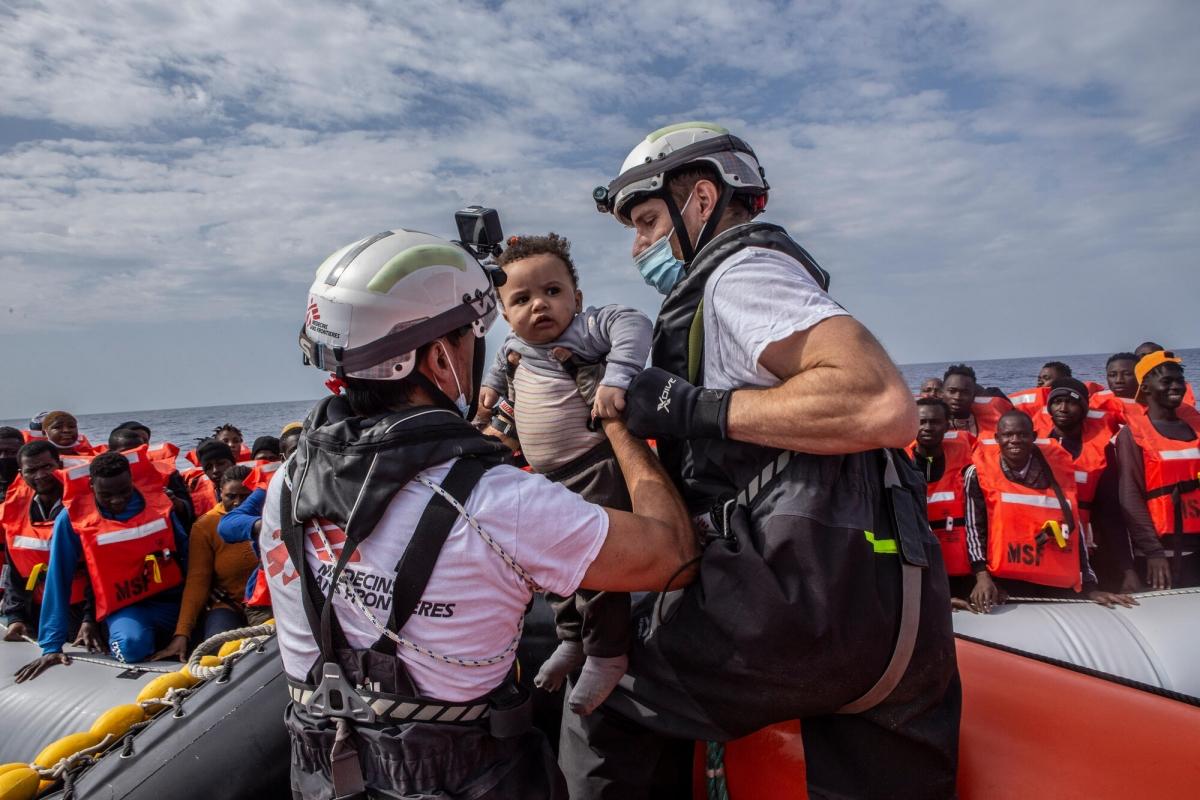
(664, 399)
(313, 314)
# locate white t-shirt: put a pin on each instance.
(474, 600)
(767, 298)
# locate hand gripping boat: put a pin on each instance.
(1060, 699)
(98, 728)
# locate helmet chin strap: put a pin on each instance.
(443, 400)
(706, 233)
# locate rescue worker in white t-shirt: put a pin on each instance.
(821, 593)
(402, 553)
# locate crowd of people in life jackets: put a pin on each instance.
(1068, 489)
(111, 547)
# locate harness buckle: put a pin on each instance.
(336, 697)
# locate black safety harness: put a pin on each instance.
(372, 687)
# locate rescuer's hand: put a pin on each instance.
(16, 632)
(985, 595)
(40, 665)
(1158, 573)
(958, 604)
(89, 637)
(1111, 599)
(660, 405)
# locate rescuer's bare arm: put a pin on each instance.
(644, 548)
(841, 393)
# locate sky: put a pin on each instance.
(981, 179)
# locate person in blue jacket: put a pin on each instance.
(132, 630)
(241, 525)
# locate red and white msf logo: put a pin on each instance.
(313, 314)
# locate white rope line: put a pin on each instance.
(1162, 593)
(105, 662)
(354, 597)
(528, 580)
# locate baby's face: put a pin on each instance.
(539, 300)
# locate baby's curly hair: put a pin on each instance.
(551, 244)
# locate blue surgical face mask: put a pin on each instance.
(657, 263)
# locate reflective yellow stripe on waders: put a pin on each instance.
(881, 545)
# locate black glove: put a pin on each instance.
(660, 405)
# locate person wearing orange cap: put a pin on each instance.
(1158, 457)
(1145, 348)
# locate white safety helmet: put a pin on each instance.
(377, 300)
(643, 174)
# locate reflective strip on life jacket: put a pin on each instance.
(129, 534)
(1040, 501)
(1179, 455)
(941, 497)
(31, 543)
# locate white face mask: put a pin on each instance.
(460, 401)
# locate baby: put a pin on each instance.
(562, 368)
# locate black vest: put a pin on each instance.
(346, 470)
(707, 471)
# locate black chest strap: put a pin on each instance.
(415, 566)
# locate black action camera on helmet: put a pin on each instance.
(479, 230)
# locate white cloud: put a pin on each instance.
(953, 159)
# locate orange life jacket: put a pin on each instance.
(946, 502)
(201, 489)
(164, 454)
(1089, 466)
(987, 411)
(260, 594)
(1172, 471)
(28, 543)
(240, 456)
(260, 477)
(132, 560)
(1031, 401)
(1022, 543)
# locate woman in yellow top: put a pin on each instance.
(217, 573)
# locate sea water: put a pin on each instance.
(184, 426)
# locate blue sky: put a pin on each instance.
(982, 179)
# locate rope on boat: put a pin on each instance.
(1160, 593)
(714, 771)
(168, 691)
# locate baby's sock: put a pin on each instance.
(565, 659)
(596, 682)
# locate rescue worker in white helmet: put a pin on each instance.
(401, 553)
(821, 592)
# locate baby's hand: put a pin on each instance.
(610, 402)
(488, 397)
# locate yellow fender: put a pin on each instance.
(118, 720)
(65, 747)
(230, 647)
(10, 766)
(158, 687)
(205, 661)
(19, 783)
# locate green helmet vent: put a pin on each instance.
(416, 258)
